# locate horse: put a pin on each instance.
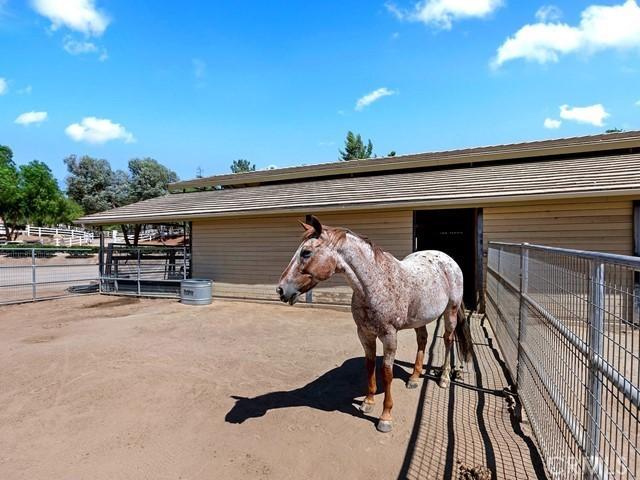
(388, 295)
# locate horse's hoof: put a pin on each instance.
(412, 384)
(384, 426)
(443, 383)
(366, 407)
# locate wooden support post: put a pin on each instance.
(480, 302)
(636, 252)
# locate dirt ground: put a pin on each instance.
(101, 387)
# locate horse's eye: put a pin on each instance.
(305, 253)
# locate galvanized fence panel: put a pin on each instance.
(569, 326)
(29, 274)
(145, 270)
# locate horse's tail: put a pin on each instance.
(463, 334)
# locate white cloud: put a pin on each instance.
(369, 98)
(98, 130)
(442, 13)
(548, 13)
(77, 48)
(593, 114)
(638, 103)
(552, 123)
(25, 91)
(29, 118)
(600, 27)
(79, 15)
(4, 86)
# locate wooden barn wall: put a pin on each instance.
(245, 256)
(602, 224)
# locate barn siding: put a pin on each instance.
(603, 224)
(245, 256)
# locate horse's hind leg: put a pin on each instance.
(451, 320)
(369, 345)
(421, 337)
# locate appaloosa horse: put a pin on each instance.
(388, 295)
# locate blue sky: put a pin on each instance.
(199, 84)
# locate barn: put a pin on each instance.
(580, 192)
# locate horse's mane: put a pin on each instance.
(338, 235)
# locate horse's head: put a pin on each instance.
(314, 261)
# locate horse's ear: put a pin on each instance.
(317, 226)
(313, 230)
(308, 229)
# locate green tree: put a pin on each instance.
(39, 193)
(241, 165)
(354, 148)
(10, 204)
(392, 153)
(68, 210)
(119, 191)
(6, 155)
(147, 179)
(90, 183)
(96, 187)
(30, 194)
(614, 130)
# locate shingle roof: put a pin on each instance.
(610, 175)
(507, 152)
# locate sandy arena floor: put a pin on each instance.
(103, 387)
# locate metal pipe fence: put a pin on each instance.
(30, 274)
(568, 324)
(145, 270)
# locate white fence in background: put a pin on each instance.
(72, 237)
(62, 236)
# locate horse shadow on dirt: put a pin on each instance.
(335, 390)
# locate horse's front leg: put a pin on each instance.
(389, 343)
(368, 341)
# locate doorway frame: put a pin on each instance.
(478, 251)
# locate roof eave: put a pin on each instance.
(476, 201)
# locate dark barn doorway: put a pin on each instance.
(458, 233)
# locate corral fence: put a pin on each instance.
(567, 323)
(145, 270)
(29, 274)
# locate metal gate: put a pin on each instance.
(29, 274)
(149, 270)
(567, 322)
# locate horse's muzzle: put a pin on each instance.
(287, 294)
